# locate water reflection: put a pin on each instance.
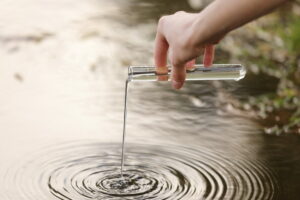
(87, 170)
(71, 58)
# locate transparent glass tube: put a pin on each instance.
(215, 72)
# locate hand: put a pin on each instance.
(186, 35)
(175, 35)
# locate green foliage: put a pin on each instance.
(292, 38)
(273, 48)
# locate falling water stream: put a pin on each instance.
(124, 126)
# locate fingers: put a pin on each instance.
(179, 73)
(161, 50)
(208, 55)
(178, 76)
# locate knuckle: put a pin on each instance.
(179, 12)
(162, 20)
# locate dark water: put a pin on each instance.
(61, 119)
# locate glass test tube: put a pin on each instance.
(215, 72)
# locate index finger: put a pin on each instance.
(161, 53)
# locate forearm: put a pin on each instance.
(222, 16)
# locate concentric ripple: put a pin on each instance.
(87, 171)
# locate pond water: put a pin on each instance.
(62, 74)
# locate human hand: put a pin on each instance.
(184, 35)
(175, 40)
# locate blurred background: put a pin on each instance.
(63, 68)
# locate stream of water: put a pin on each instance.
(124, 126)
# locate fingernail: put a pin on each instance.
(177, 85)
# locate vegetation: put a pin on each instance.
(273, 49)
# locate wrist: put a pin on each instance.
(191, 39)
(198, 32)
(209, 28)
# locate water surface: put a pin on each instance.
(62, 74)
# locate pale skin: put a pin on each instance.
(182, 37)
